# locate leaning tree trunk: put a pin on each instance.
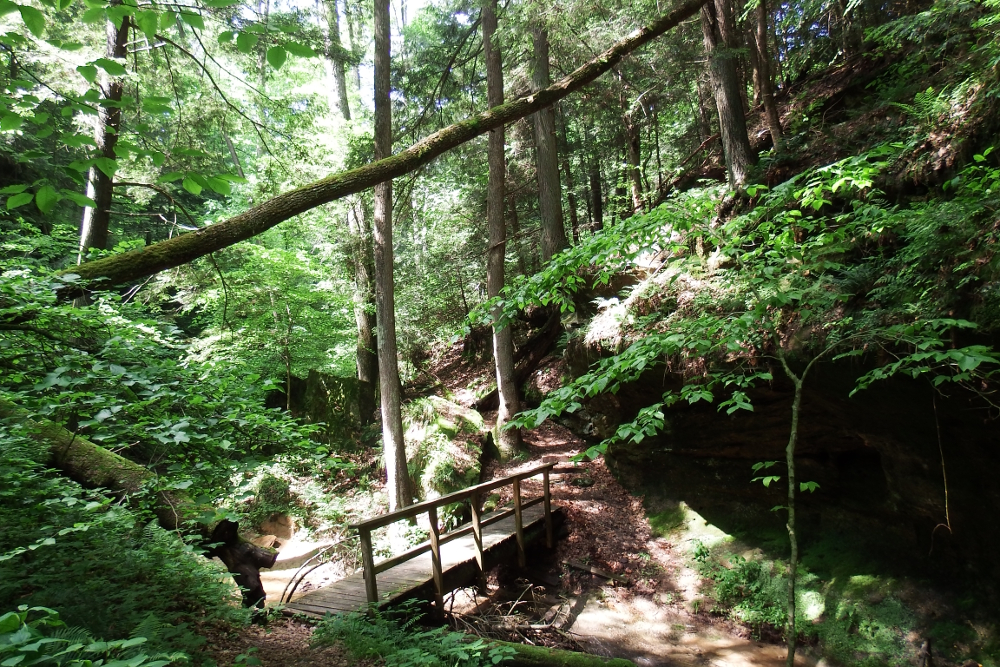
(508, 441)
(719, 32)
(547, 156)
(182, 249)
(96, 221)
(393, 447)
(96, 467)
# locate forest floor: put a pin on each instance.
(653, 612)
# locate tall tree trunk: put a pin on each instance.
(96, 219)
(363, 264)
(393, 448)
(362, 253)
(596, 196)
(766, 83)
(515, 230)
(704, 112)
(720, 44)
(335, 55)
(508, 441)
(139, 263)
(547, 156)
(632, 151)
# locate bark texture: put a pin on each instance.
(95, 466)
(96, 220)
(363, 264)
(508, 440)
(181, 249)
(547, 155)
(720, 44)
(393, 448)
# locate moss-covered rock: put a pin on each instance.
(442, 445)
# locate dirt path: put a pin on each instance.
(658, 618)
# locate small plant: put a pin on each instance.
(36, 636)
(396, 638)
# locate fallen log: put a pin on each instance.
(95, 466)
(123, 268)
(541, 656)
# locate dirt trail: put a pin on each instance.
(657, 619)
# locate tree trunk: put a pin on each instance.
(719, 33)
(181, 249)
(363, 264)
(508, 441)
(547, 155)
(766, 83)
(704, 114)
(335, 54)
(96, 467)
(515, 230)
(596, 197)
(393, 448)
(94, 227)
(634, 174)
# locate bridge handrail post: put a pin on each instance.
(522, 560)
(368, 562)
(436, 560)
(549, 542)
(477, 531)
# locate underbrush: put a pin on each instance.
(106, 569)
(396, 638)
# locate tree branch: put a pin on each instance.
(173, 252)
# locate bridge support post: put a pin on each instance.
(522, 560)
(477, 537)
(368, 562)
(436, 561)
(549, 541)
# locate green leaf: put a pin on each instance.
(112, 67)
(300, 50)
(13, 189)
(193, 20)
(219, 185)
(64, 4)
(88, 72)
(79, 199)
(808, 486)
(220, 3)
(107, 165)
(10, 121)
(226, 36)
(276, 56)
(147, 22)
(46, 198)
(245, 42)
(93, 15)
(19, 200)
(33, 19)
(191, 186)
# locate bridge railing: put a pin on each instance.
(429, 507)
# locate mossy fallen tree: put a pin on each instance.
(541, 656)
(126, 267)
(96, 467)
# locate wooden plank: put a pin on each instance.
(371, 585)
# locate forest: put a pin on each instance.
(272, 269)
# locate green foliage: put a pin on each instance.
(752, 591)
(400, 642)
(102, 566)
(36, 636)
(120, 377)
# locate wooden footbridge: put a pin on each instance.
(447, 560)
